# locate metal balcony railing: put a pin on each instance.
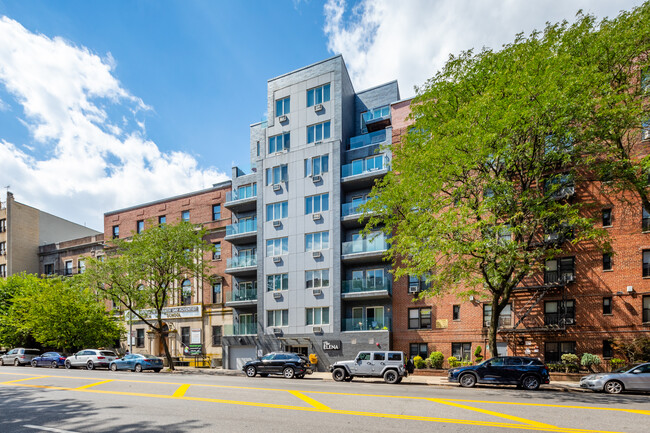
(348, 209)
(366, 285)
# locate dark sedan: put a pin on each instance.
(49, 359)
(527, 373)
(137, 362)
(287, 364)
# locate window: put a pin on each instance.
(278, 143)
(607, 217)
(185, 335)
(139, 227)
(560, 186)
(276, 211)
(553, 351)
(139, 337)
(318, 95)
(48, 269)
(559, 313)
(185, 216)
(374, 114)
(258, 148)
(246, 191)
(645, 131)
(420, 318)
(116, 232)
(608, 350)
(317, 241)
(645, 79)
(81, 266)
(317, 203)
(559, 270)
(3, 270)
(318, 132)
(162, 219)
(646, 309)
(277, 282)
(505, 318)
(607, 262)
(607, 305)
(277, 174)
(317, 279)
(461, 350)
(216, 251)
(186, 292)
(282, 106)
(645, 223)
(216, 212)
(646, 263)
(318, 316)
(359, 166)
(3, 248)
(216, 293)
(277, 318)
(3, 225)
(277, 247)
(456, 314)
(68, 267)
(216, 335)
(316, 165)
(418, 349)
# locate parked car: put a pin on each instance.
(527, 373)
(287, 364)
(629, 378)
(389, 365)
(49, 359)
(19, 356)
(90, 358)
(137, 363)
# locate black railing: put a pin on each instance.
(558, 319)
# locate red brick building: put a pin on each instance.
(583, 301)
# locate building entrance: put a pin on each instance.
(303, 350)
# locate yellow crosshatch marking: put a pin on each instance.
(93, 384)
(20, 380)
(309, 400)
(489, 412)
(180, 392)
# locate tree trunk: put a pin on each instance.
(168, 355)
(492, 330)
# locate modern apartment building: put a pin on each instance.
(23, 229)
(198, 314)
(304, 278)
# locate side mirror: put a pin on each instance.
(637, 371)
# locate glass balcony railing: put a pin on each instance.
(377, 324)
(241, 295)
(376, 137)
(240, 329)
(242, 193)
(348, 209)
(363, 166)
(241, 262)
(366, 285)
(373, 244)
(246, 226)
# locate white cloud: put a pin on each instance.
(383, 40)
(86, 159)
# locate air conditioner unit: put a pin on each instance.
(316, 254)
(277, 187)
(414, 288)
(282, 119)
(316, 143)
(569, 278)
(317, 329)
(630, 289)
(317, 292)
(318, 107)
(277, 259)
(569, 321)
(316, 216)
(316, 178)
(277, 295)
(277, 223)
(277, 331)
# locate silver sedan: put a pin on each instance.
(630, 378)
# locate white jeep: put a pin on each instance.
(387, 364)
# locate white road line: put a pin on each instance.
(55, 430)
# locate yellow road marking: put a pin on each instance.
(309, 400)
(90, 385)
(27, 378)
(180, 392)
(489, 412)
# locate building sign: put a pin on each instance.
(168, 313)
(193, 350)
(332, 345)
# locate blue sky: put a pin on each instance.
(109, 104)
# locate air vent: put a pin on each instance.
(277, 187)
(318, 107)
(277, 259)
(317, 178)
(283, 119)
(277, 295)
(317, 216)
(277, 223)
(316, 254)
(317, 329)
(317, 292)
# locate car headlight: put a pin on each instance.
(599, 376)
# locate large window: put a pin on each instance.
(68, 267)
(277, 282)
(418, 349)
(276, 211)
(505, 318)
(139, 337)
(116, 232)
(185, 335)
(645, 223)
(140, 226)
(3, 270)
(162, 219)
(461, 350)
(247, 191)
(318, 316)
(3, 225)
(559, 270)
(216, 335)
(317, 203)
(646, 309)
(559, 313)
(317, 241)
(316, 165)
(318, 132)
(277, 318)
(277, 174)
(420, 318)
(49, 269)
(318, 95)
(646, 263)
(185, 216)
(553, 351)
(216, 292)
(216, 251)
(277, 247)
(216, 212)
(607, 217)
(282, 106)
(186, 292)
(317, 279)
(456, 312)
(279, 143)
(3, 248)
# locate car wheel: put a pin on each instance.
(68, 365)
(399, 380)
(54, 364)
(113, 367)
(34, 364)
(288, 373)
(531, 383)
(338, 374)
(467, 380)
(138, 368)
(348, 379)
(251, 371)
(90, 365)
(613, 387)
(264, 374)
(391, 376)
(16, 363)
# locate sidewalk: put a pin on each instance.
(439, 381)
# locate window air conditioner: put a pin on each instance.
(277, 331)
(316, 178)
(414, 288)
(569, 278)
(277, 223)
(317, 329)
(317, 292)
(318, 107)
(569, 321)
(277, 295)
(277, 187)
(283, 118)
(277, 259)
(316, 254)
(316, 216)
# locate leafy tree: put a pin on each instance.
(11, 288)
(145, 271)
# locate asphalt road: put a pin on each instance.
(76, 401)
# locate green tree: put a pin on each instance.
(145, 271)
(12, 288)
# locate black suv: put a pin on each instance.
(287, 364)
(527, 373)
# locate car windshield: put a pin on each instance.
(147, 356)
(107, 353)
(626, 368)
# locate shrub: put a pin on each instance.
(453, 362)
(570, 360)
(478, 357)
(589, 360)
(427, 363)
(418, 362)
(437, 358)
(616, 363)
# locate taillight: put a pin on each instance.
(147, 360)
(61, 358)
(22, 356)
(100, 357)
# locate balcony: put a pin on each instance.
(558, 319)
(242, 232)
(351, 212)
(369, 288)
(377, 118)
(364, 140)
(357, 325)
(362, 173)
(242, 200)
(240, 329)
(242, 265)
(364, 250)
(241, 298)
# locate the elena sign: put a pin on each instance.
(169, 313)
